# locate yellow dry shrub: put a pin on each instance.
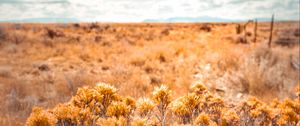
(275, 103)
(162, 98)
(262, 110)
(178, 108)
(191, 101)
(198, 88)
(86, 97)
(139, 122)
(176, 124)
(129, 101)
(108, 92)
(229, 118)
(290, 112)
(112, 121)
(288, 116)
(145, 106)
(66, 114)
(86, 117)
(186, 107)
(97, 99)
(204, 120)
(103, 106)
(292, 104)
(118, 109)
(214, 107)
(253, 102)
(40, 117)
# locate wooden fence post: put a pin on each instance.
(271, 31)
(245, 33)
(255, 30)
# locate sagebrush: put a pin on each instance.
(102, 105)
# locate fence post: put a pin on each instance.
(245, 32)
(255, 30)
(271, 31)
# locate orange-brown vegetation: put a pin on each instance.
(45, 65)
(102, 105)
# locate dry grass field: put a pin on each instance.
(235, 80)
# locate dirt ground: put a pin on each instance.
(44, 64)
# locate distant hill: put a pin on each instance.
(192, 19)
(43, 20)
(202, 19)
(172, 19)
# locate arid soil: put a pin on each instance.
(44, 64)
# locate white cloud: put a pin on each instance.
(139, 10)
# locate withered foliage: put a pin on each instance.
(102, 105)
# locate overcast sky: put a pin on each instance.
(139, 10)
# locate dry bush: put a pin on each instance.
(263, 72)
(199, 107)
(17, 37)
(5, 72)
(145, 107)
(162, 99)
(54, 33)
(3, 33)
(297, 32)
(206, 28)
(268, 69)
(40, 117)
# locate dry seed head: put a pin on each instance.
(275, 103)
(264, 109)
(191, 100)
(109, 94)
(230, 118)
(66, 112)
(130, 102)
(198, 88)
(139, 122)
(293, 104)
(293, 116)
(288, 115)
(90, 104)
(179, 108)
(86, 116)
(179, 124)
(202, 119)
(105, 89)
(283, 120)
(144, 106)
(40, 117)
(208, 96)
(112, 122)
(253, 102)
(162, 94)
(118, 109)
(83, 97)
(216, 102)
(186, 104)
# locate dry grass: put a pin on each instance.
(263, 72)
(45, 64)
(102, 105)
